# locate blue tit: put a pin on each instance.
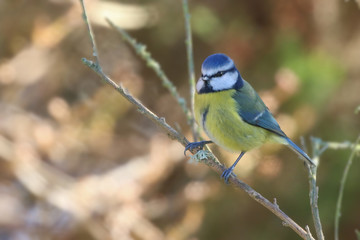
(232, 114)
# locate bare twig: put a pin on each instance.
(210, 159)
(314, 190)
(309, 236)
(140, 49)
(335, 145)
(172, 133)
(190, 61)
(342, 145)
(91, 34)
(341, 190)
(189, 47)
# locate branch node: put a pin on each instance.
(88, 63)
(276, 204)
(308, 236)
(285, 224)
(140, 110)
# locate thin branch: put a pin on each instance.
(189, 47)
(342, 145)
(309, 236)
(314, 190)
(341, 190)
(190, 61)
(91, 34)
(210, 159)
(172, 133)
(140, 49)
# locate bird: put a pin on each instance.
(232, 114)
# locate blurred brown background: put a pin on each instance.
(79, 162)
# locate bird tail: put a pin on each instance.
(299, 151)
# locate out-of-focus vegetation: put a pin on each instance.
(79, 162)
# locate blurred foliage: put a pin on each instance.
(316, 69)
(78, 162)
(205, 24)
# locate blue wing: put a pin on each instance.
(253, 110)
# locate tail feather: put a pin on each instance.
(299, 151)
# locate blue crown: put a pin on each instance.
(217, 61)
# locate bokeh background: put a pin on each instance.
(79, 162)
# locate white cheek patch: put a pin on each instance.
(213, 70)
(227, 81)
(199, 85)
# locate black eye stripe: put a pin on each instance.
(221, 73)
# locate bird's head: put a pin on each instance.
(218, 73)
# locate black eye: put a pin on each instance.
(219, 74)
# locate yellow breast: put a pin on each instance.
(217, 113)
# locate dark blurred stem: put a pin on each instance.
(189, 47)
(341, 190)
(314, 190)
(190, 61)
(173, 134)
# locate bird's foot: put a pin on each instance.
(193, 145)
(227, 173)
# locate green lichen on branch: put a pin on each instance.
(203, 156)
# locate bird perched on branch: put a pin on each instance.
(232, 114)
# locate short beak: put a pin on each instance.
(205, 78)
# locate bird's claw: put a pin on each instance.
(226, 174)
(193, 145)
